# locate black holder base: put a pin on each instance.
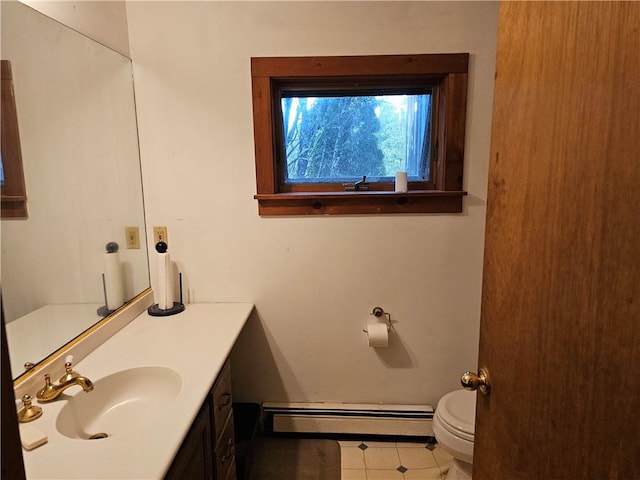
(103, 311)
(155, 311)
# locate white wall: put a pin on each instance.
(313, 280)
(104, 21)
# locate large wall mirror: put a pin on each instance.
(77, 124)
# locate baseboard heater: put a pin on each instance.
(349, 418)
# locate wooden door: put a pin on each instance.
(560, 329)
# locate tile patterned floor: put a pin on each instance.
(393, 461)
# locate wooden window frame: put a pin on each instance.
(446, 74)
(13, 194)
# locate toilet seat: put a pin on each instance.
(456, 413)
(454, 425)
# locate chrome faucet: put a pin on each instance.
(50, 392)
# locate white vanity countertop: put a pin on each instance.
(195, 343)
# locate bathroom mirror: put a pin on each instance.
(77, 124)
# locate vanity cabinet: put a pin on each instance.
(208, 451)
(223, 434)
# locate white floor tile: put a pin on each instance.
(423, 474)
(381, 444)
(381, 458)
(352, 457)
(349, 443)
(417, 458)
(353, 474)
(443, 457)
(384, 474)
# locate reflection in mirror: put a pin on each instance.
(13, 195)
(78, 134)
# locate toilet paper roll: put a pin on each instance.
(378, 334)
(401, 182)
(165, 285)
(113, 287)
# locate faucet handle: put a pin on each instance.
(69, 374)
(68, 364)
(29, 412)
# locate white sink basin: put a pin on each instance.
(119, 403)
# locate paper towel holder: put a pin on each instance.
(104, 310)
(155, 311)
(177, 307)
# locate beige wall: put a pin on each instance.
(313, 280)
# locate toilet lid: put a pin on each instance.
(457, 411)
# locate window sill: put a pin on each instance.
(359, 203)
(14, 206)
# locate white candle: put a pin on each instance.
(401, 182)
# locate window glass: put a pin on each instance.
(329, 138)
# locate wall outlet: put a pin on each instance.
(132, 235)
(160, 235)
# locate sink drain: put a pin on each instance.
(97, 436)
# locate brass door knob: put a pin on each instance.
(473, 381)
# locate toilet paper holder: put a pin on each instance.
(378, 312)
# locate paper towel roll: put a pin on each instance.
(165, 286)
(113, 281)
(378, 334)
(401, 182)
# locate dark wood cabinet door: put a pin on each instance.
(194, 460)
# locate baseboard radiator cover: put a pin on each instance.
(350, 418)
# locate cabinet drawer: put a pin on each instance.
(225, 455)
(222, 400)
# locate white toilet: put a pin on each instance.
(453, 427)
